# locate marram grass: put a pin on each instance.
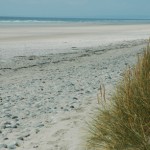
(125, 123)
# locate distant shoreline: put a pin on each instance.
(8, 19)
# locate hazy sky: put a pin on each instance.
(76, 8)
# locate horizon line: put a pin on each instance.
(101, 18)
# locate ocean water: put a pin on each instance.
(71, 20)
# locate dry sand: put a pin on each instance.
(42, 39)
(49, 83)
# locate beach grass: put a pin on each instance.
(123, 121)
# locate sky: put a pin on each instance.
(131, 9)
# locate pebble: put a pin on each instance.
(66, 109)
(104, 67)
(37, 131)
(27, 135)
(20, 138)
(14, 117)
(109, 77)
(35, 146)
(88, 92)
(7, 123)
(3, 146)
(6, 105)
(10, 126)
(39, 125)
(13, 145)
(5, 139)
(71, 106)
(8, 115)
(14, 126)
(75, 98)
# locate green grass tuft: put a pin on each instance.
(125, 123)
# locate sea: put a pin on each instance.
(17, 20)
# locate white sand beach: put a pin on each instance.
(42, 39)
(50, 76)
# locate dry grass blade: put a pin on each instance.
(126, 125)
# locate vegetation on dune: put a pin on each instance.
(125, 123)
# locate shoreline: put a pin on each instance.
(45, 100)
